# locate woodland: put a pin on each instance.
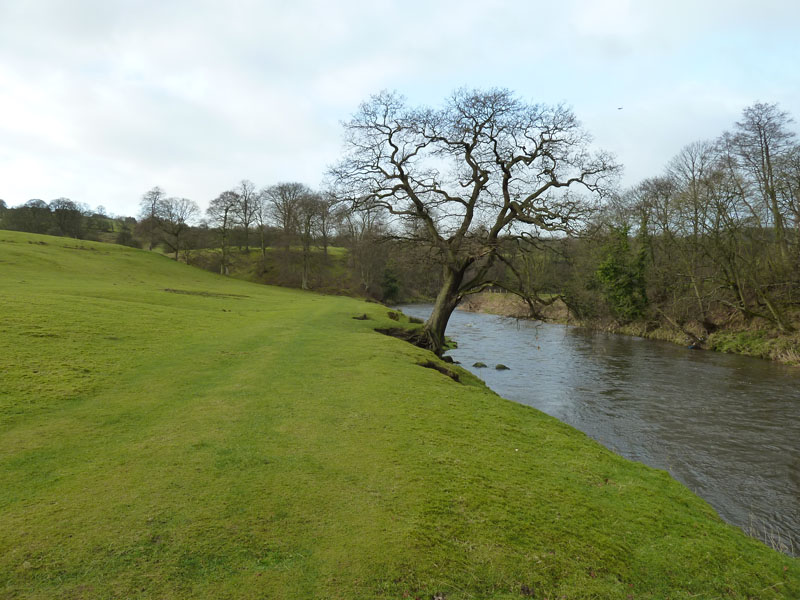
(490, 193)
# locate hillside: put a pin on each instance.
(169, 433)
(328, 273)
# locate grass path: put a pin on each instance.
(168, 433)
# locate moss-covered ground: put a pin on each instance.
(169, 433)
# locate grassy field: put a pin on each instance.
(169, 433)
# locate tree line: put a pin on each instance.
(502, 194)
(713, 239)
(288, 216)
(488, 191)
(61, 217)
(299, 223)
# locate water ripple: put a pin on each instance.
(725, 426)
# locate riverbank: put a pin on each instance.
(171, 433)
(734, 337)
(691, 413)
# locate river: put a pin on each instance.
(726, 426)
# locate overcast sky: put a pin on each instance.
(101, 100)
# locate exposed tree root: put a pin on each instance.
(412, 336)
(418, 338)
(429, 364)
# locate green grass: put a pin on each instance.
(759, 343)
(230, 440)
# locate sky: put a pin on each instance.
(100, 100)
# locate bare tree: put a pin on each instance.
(220, 213)
(308, 210)
(148, 214)
(245, 208)
(327, 220)
(789, 187)
(484, 168)
(690, 174)
(261, 217)
(363, 231)
(760, 142)
(175, 216)
(283, 200)
(756, 261)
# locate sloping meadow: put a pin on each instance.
(169, 433)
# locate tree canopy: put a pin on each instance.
(483, 169)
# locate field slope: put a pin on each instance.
(169, 433)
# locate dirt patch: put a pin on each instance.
(429, 364)
(43, 334)
(87, 248)
(205, 294)
(394, 316)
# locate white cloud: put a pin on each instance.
(99, 101)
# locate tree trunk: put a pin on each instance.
(783, 325)
(446, 302)
(263, 244)
(304, 281)
(223, 267)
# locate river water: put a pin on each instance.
(726, 426)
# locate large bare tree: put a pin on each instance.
(467, 178)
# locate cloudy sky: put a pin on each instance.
(101, 100)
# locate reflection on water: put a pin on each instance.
(726, 426)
